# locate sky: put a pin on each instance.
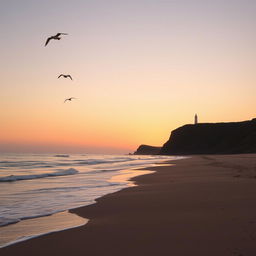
(141, 69)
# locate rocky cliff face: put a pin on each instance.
(212, 138)
(147, 150)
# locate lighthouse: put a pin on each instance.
(196, 119)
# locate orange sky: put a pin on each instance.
(140, 69)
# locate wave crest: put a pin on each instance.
(11, 178)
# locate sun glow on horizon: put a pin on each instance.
(140, 69)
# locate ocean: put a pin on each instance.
(37, 190)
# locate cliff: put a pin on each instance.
(147, 150)
(212, 138)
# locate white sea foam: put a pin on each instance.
(12, 178)
(7, 221)
(37, 185)
(31, 228)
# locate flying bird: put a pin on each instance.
(65, 76)
(56, 37)
(70, 99)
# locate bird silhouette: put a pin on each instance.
(69, 99)
(56, 37)
(65, 76)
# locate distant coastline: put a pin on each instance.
(208, 138)
(147, 150)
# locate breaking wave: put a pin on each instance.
(11, 178)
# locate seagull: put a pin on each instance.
(56, 37)
(70, 99)
(65, 76)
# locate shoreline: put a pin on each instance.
(203, 205)
(61, 221)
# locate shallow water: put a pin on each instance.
(30, 228)
(33, 186)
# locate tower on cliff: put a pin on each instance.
(196, 119)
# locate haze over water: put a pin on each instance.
(141, 69)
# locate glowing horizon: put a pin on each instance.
(140, 69)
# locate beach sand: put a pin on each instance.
(202, 206)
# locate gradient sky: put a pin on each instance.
(141, 69)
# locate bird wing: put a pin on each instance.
(60, 75)
(47, 41)
(59, 34)
(66, 100)
(69, 77)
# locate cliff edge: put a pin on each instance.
(212, 138)
(147, 150)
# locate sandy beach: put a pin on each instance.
(203, 205)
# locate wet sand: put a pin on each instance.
(203, 206)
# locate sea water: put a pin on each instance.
(33, 186)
